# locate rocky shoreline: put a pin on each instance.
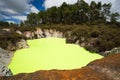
(107, 68)
(5, 56)
(43, 33)
(38, 33)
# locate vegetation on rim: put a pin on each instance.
(94, 20)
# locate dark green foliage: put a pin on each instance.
(81, 31)
(8, 38)
(106, 36)
(78, 13)
(32, 20)
(6, 24)
(3, 44)
(22, 29)
(94, 33)
(114, 17)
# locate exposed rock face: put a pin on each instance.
(28, 34)
(5, 58)
(39, 33)
(18, 32)
(104, 69)
(107, 68)
(113, 51)
(7, 29)
(4, 71)
(18, 45)
(90, 43)
(21, 44)
(78, 74)
(83, 42)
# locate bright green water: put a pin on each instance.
(50, 53)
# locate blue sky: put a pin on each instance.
(17, 10)
(38, 4)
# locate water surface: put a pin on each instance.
(50, 53)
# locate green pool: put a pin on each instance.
(50, 53)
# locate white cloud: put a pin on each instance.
(23, 18)
(32, 9)
(50, 3)
(7, 10)
(10, 21)
(116, 6)
(16, 9)
(12, 7)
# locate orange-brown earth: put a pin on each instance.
(107, 68)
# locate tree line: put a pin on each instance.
(7, 24)
(78, 13)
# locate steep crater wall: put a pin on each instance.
(93, 43)
(42, 33)
(88, 43)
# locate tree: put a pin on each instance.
(93, 5)
(82, 12)
(95, 11)
(33, 19)
(99, 6)
(22, 24)
(42, 17)
(106, 10)
(78, 13)
(52, 15)
(2, 23)
(114, 17)
(64, 12)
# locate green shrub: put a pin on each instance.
(94, 33)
